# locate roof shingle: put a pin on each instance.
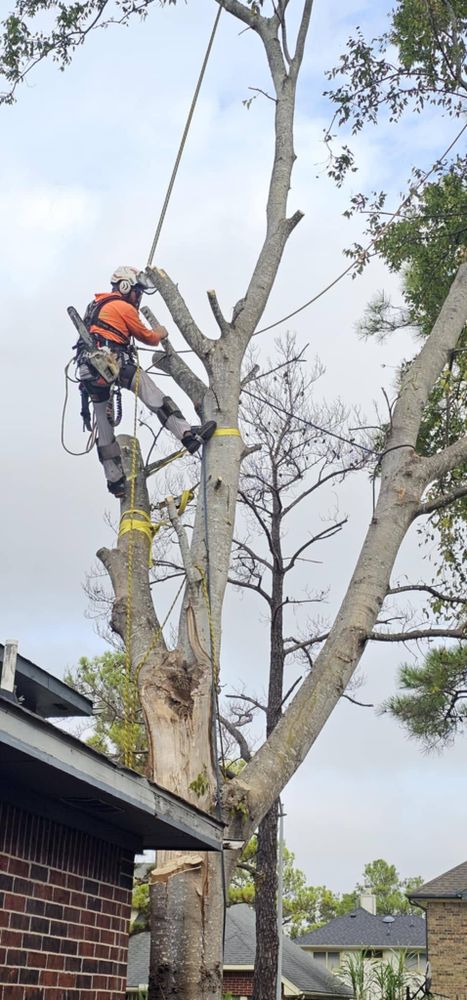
(452, 884)
(360, 929)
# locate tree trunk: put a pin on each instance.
(267, 933)
(187, 915)
(267, 938)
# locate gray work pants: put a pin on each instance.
(153, 398)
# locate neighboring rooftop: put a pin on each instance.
(451, 885)
(360, 929)
(297, 967)
(43, 694)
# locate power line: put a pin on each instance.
(355, 263)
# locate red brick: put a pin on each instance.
(9, 975)
(18, 867)
(13, 902)
(12, 939)
(55, 961)
(66, 979)
(15, 956)
(61, 889)
(48, 978)
(37, 959)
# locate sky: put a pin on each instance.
(85, 159)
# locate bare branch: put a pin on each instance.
(245, 14)
(191, 573)
(422, 633)
(246, 585)
(217, 312)
(305, 644)
(179, 312)
(333, 529)
(425, 588)
(438, 503)
(361, 704)
(289, 692)
(253, 555)
(243, 747)
(247, 698)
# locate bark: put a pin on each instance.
(267, 937)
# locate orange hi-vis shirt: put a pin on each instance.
(125, 319)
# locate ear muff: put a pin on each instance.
(124, 286)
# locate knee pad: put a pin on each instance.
(127, 374)
(167, 410)
(107, 452)
(98, 393)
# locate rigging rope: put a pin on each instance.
(183, 141)
(129, 692)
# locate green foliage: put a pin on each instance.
(306, 907)
(383, 880)
(200, 784)
(103, 680)
(429, 37)
(433, 709)
(53, 29)
(428, 244)
(373, 979)
(140, 904)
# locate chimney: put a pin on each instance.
(368, 902)
(8, 667)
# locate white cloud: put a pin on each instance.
(52, 210)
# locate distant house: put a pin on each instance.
(301, 976)
(445, 901)
(364, 931)
(70, 824)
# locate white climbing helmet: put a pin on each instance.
(127, 278)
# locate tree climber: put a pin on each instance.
(112, 319)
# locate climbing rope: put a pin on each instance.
(129, 690)
(93, 435)
(183, 141)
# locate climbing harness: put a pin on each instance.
(91, 358)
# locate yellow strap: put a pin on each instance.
(129, 523)
(185, 499)
(227, 432)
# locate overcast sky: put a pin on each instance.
(85, 158)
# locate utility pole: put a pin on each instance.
(280, 887)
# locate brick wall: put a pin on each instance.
(64, 911)
(447, 947)
(240, 984)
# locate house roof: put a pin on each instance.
(43, 694)
(451, 885)
(52, 773)
(298, 967)
(361, 929)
